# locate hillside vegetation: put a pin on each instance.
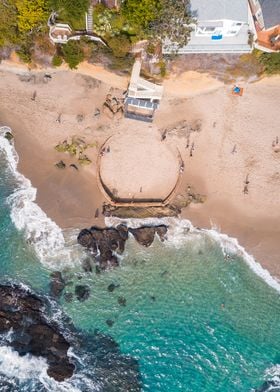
(23, 27)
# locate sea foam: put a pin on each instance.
(30, 373)
(182, 230)
(39, 230)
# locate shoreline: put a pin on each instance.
(257, 234)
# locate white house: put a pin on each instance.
(222, 26)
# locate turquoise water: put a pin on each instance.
(194, 320)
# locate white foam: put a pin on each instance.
(182, 230)
(21, 367)
(28, 367)
(273, 374)
(46, 237)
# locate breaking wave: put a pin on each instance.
(181, 230)
(46, 237)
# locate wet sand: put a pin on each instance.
(234, 145)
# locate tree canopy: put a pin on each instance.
(141, 13)
(71, 9)
(31, 13)
(173, 22)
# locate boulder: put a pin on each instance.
(144, 235)
(85, 238)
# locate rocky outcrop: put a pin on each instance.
(22, 313)
(105, 244)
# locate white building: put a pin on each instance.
(222, 27)
(143, 97)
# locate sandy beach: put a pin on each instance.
(232, 158)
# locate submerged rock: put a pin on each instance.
(112, 287)
(110, 323)
(87, 265)
(22, 313)
(122, 301)
(82, 292)
(68, 297)
(57, 284)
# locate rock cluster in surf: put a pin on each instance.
(27, 325)
(22, 313)
(105, 243)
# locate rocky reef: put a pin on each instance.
(105, 243)
(22, 313)
(28, 326)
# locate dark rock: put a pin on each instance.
(161, 232)
(123, 231)
(60, 165)
(122, 301)
(85, 238)
(82, 292)
(144, 235)
(9, 136)
(32, 333)
(153, 298)
(113, 262)
(110, 323)
(103, 242)
(97, 270)
(57, 284)
(74, 166)
(61, 371)
(112, 287)
(68, 297)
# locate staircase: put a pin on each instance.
(89, 21)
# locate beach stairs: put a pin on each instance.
(89, 20)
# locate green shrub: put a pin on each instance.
(271, 62)
(57, 61)
(73, 54)
(120, 45)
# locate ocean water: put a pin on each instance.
(200, 314)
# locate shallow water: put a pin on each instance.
(194, 319)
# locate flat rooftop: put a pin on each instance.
(236, 44)
(271, 12)
(220, 9)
